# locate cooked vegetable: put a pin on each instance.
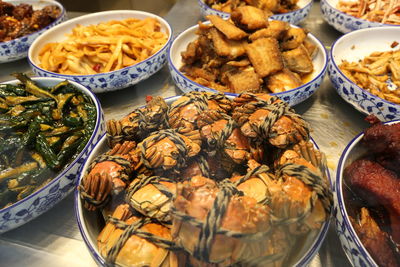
(41, 130)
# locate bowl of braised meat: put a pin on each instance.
(365, 71)
(290, 11)
(367, 196)
(349, 15)
(48, 126)
(21, 22)
(168, 171)
(248, 52)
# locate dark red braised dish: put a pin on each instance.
(372, 193)
(17, 21)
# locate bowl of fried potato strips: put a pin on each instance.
(172, 169)
(349, 15)
(366, 196)
(104, 51)
(292, 11)
(22, 21)
(364, 67)
(48, 127)
(248, 52)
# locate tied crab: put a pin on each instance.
(108, 174)
(216, 224)
(185, 111)
(222, 138)
(128, 240)
(139, 123)
(271, 120)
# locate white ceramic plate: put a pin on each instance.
(353, 47)
(109, 81)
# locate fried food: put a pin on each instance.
(270, 6)
(383, 11)
(240, 54)
(107, 46)
(378, 73)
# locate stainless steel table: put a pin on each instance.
(53, 239)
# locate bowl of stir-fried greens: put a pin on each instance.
(48, 126)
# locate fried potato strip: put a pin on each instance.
(104, 47)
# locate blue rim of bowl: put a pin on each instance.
(63, 12)
(355, 18)
(314, 247)
(339, 193)
(321, 73)
(162, 49)
(201, 3)
(61, 174)
(347, 79)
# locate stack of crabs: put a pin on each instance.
(208, 181)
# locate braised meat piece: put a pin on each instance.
(383, 140)
(6, 9)
(375, 240)
(225, 47)
(250, 18)
(22, 11)
(228, 29)
(245, 80)
(378, 187)
(282, 81)
(275, 29)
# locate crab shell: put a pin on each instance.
(150, 201)
(136, 251)
(139, 123)
(164, 153)
(196, 198)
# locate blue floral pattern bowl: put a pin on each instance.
(353, 47)
(90, 226)
(18, 48)
(293, 96)
(343, 22)
(46, 197)
(351, 244)
(293, 17)
(109, 81)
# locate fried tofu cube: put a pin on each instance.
(244, 81)
(265, 56)
(283, 81)
(298, 60)
(227, 28)
(225, 47)
(249, 18)
(275, 29)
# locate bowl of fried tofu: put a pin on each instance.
(248, 53)
(366, 196)
(365, 70)
(293, 11)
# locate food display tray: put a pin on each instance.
(53, 239)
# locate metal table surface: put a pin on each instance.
(54, 238)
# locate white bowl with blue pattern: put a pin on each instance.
(344, 22)
(293, 17)
(46, 197)
(353, 47)
(293, 96)
(108, 81)
(90, 223)
(351, 244)
(18, 48)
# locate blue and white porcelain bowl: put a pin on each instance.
(108, 81)
(46, 197)
(293, 17)
(293, 96)
(344, 22)
(18, 48)
(351, 244)
(90, 223)
(353, 47)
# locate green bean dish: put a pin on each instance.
(42, 129)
